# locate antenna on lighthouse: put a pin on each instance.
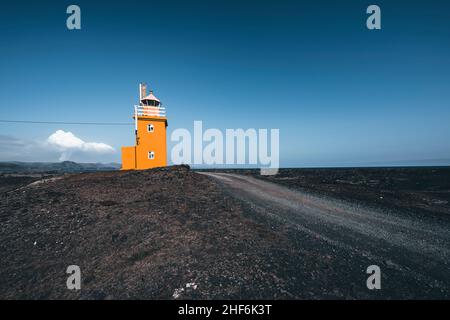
(142, 92)
(136, 122)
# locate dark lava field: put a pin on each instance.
(172, 233)
(410, 190)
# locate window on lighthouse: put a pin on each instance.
(151, 155)
(150, 128)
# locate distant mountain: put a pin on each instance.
(60, 167)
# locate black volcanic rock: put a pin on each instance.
(52, 167)
(135, 234)
(171, 233)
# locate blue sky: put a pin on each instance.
(339, 93)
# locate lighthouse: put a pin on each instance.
(150, 132)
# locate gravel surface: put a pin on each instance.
(414, 252)
(172, 233)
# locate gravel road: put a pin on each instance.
(173, 233)
(413, 253)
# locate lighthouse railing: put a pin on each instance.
(150, 111)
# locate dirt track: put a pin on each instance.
(172, 233)
(414, 249)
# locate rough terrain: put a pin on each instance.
(414, 191)
(413, 251)
(173, 233)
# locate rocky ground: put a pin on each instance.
(411, 250)
(159, 234)
(172, 233)
(423, 191)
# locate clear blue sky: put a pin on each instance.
(339, 93)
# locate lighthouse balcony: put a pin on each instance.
(150, 111)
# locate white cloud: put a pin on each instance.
(67, 143)
(58, 146)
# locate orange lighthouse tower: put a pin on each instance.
(150, 129)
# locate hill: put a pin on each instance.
(55, 167)
(172, 233)
(139, 234)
